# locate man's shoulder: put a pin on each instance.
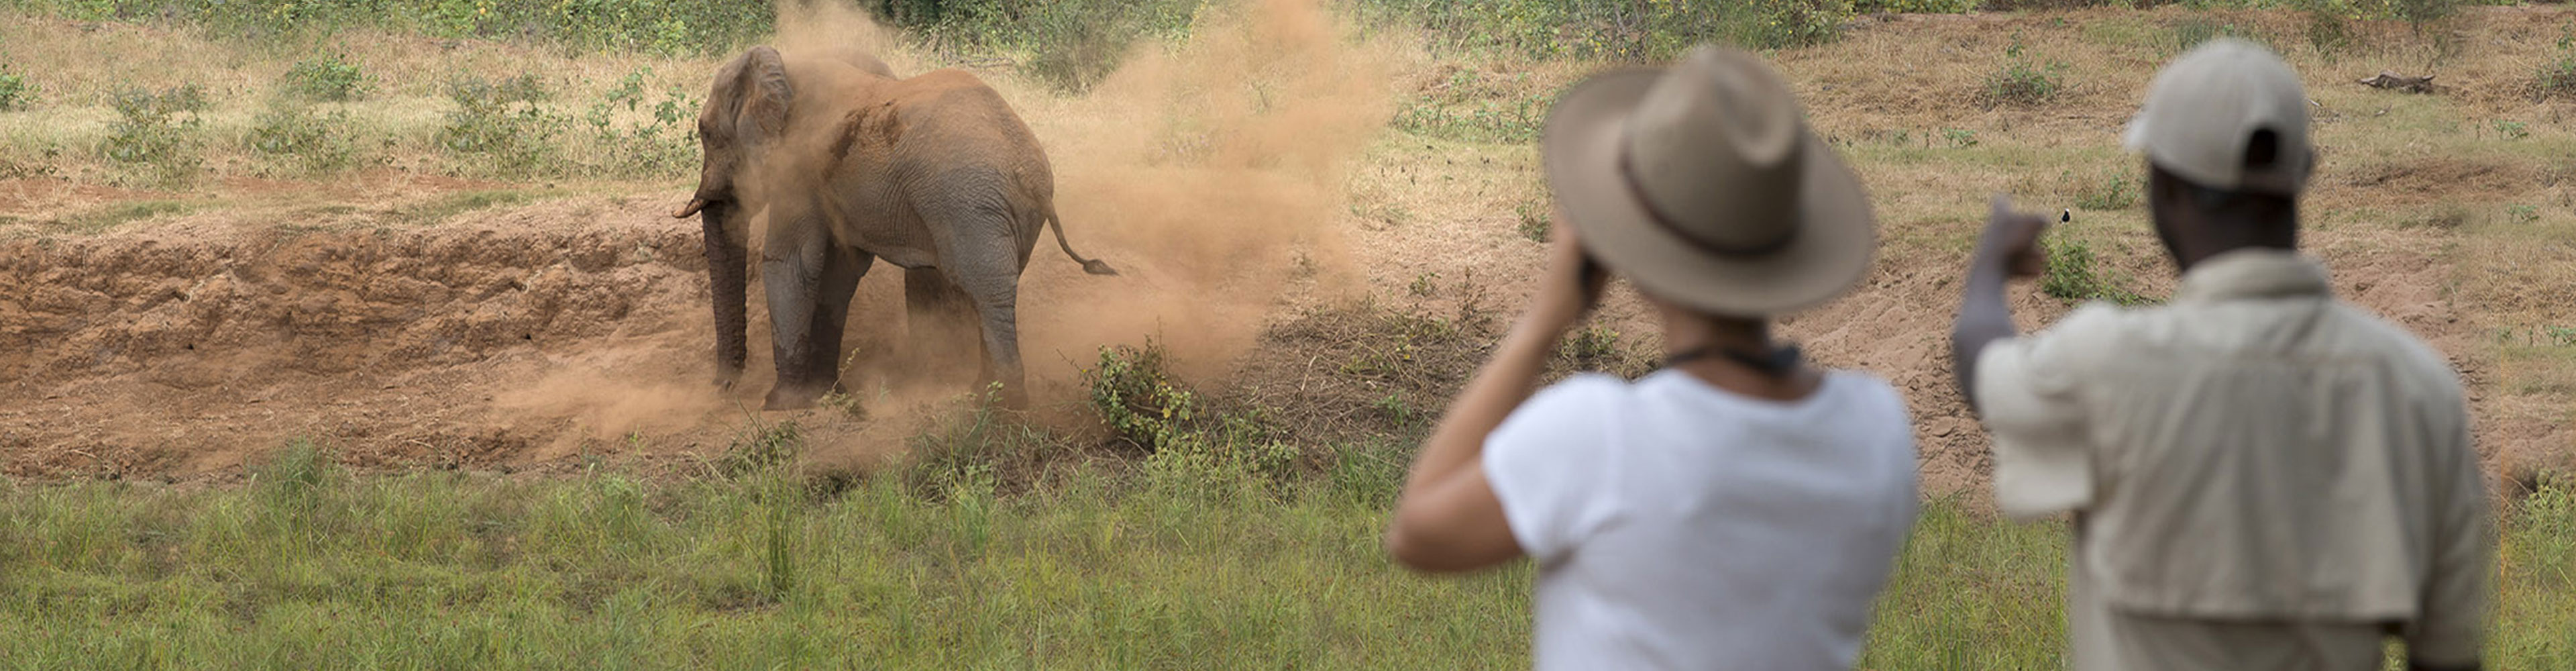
(2368, 334)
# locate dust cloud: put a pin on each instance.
(1211, 172)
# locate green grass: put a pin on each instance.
(307, 566)
(310, 568)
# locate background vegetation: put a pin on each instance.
(1204, 530)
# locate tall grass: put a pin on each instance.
(1091, 566)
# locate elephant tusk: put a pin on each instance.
(694, 205)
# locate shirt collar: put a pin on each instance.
(2253, 273)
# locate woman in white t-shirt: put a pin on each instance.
(1737, 509)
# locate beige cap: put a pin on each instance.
(2202, 112)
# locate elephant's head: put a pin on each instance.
(745, 111)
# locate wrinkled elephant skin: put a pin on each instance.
(839, 165)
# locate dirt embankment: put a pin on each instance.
(178, 347)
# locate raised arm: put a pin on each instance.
(1448, 518)
(2008, 248)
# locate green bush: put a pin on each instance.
(1536, 217)
(15, 92)
(2073, 277)
(318, 141)
(2022, 82)
(658, 145)
(1194, 451)
(157, 129)
(764, 446)
(2557, 76)
(2420, 14)
(501, 120)
(327, 78)
(1136, 396)
(2328, 27)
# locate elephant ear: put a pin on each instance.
(766, 92)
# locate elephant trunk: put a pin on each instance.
(726, 266)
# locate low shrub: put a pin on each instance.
(2327, 26)
(157, 129)
(1536, 219)
(15, 92)
(326, 78)
(2116, 191)
(1193, 450)
(2072, 275)
(635, 145)
(1135, 394)
(2556, 77)
(501, 120)
(1959, 138)
(2022, 82)
(318, 142)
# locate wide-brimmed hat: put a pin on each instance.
(1701, 183)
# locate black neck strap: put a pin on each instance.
(1776, 362)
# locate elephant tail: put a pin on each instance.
(1093, 266)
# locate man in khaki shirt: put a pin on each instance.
(2260, 476)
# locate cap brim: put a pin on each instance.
(1586, 135)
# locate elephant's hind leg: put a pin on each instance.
(842, 268)
(940, 323)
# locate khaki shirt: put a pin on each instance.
(2262, 476)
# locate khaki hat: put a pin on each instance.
(1701, 183)
(2202, 112)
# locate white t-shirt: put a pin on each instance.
(1680, 526)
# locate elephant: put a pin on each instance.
(845, 165)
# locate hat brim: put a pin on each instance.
(1582, 150)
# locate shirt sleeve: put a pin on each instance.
(2027, 398)
(1548, 462)
(2448, 632)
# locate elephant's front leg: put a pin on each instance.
(842, 268)
(791, 269)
